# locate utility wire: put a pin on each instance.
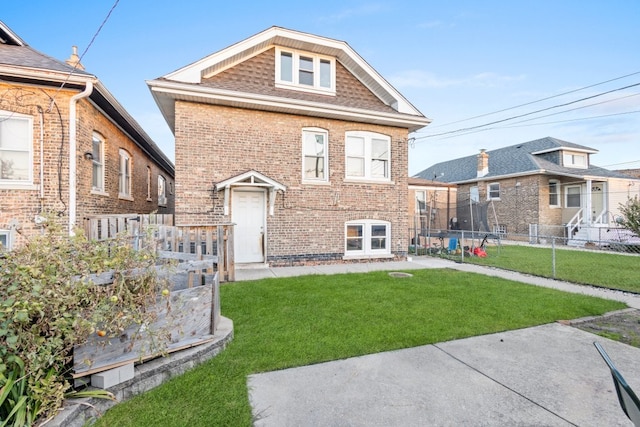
(526, 114)
(75, 66)
(534, 102)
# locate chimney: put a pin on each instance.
(74, 59)
(483, 163)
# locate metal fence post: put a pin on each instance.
(553, 257)
(462, 245)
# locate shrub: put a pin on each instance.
(49, 304)
(631, 215)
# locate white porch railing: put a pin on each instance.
(574, 223)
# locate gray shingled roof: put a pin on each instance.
(512, 160)
(25, 56)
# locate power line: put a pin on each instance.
(75, 66)
(539, 100)
(526, 114)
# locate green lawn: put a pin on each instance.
(605, 269)
(281, 323)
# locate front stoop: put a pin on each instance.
(77, 412)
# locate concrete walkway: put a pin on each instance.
(549, 375)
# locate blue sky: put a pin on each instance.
(452, 60)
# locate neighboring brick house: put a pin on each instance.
(432, 208)
(541, 187)
(68, 148)
(299, 142)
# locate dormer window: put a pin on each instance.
(574, 160)
(305, 71)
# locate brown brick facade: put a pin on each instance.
(215, 143)
(49, 110)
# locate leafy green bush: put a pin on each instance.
(49, 304)
(631, 215)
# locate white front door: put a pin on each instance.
(597, 199)
(249, 215)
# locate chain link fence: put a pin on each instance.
(460, 244)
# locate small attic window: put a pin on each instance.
(305, 71)
(575, 160)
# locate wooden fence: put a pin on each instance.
(211, 242)
(103, 227)
(187, 317)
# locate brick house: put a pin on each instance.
(68, 148)
(432, 208)
(299, 142)
(542, 187)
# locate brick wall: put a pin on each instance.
(50, 112)
(214, 143)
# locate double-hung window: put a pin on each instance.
(315, 160)
(97, 152)
(15, 149)
(493, 191)
(368, 156)
(162, 191)
(554, 193)
(305, 71)
(124, 175)
(367, 237)
(572, 196)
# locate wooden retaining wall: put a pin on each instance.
(187, 317)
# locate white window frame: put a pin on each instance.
(367, 238)
(5, 147)
(557, 193)
(419, 199)
(566, 196)
(366, 155)
(97, 163)
(313, 132)
(490, 190)
(149, 199)
(7, 238)
(570, 160)
(162, 191)
(124, 174)
(474, 193)
(294, 82)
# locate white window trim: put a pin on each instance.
(568, 160)
(295, 85)
(26, 183)
(368, 136)
(162, 196)
(325, 179)
(98, 189)
(366, 236)
(9, 245)
(149, 176)
(558, 193)
(566, 196)
(124, 156)
(489, 191)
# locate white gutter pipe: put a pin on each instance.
(72, 153)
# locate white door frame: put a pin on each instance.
(261, 220)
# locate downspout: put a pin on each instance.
(72, 153)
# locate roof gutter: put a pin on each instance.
(73, 114)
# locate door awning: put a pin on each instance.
(251, 178)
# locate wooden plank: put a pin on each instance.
(185, 316)
(230, 258)
(221, 252)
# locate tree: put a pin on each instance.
(631, 215)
